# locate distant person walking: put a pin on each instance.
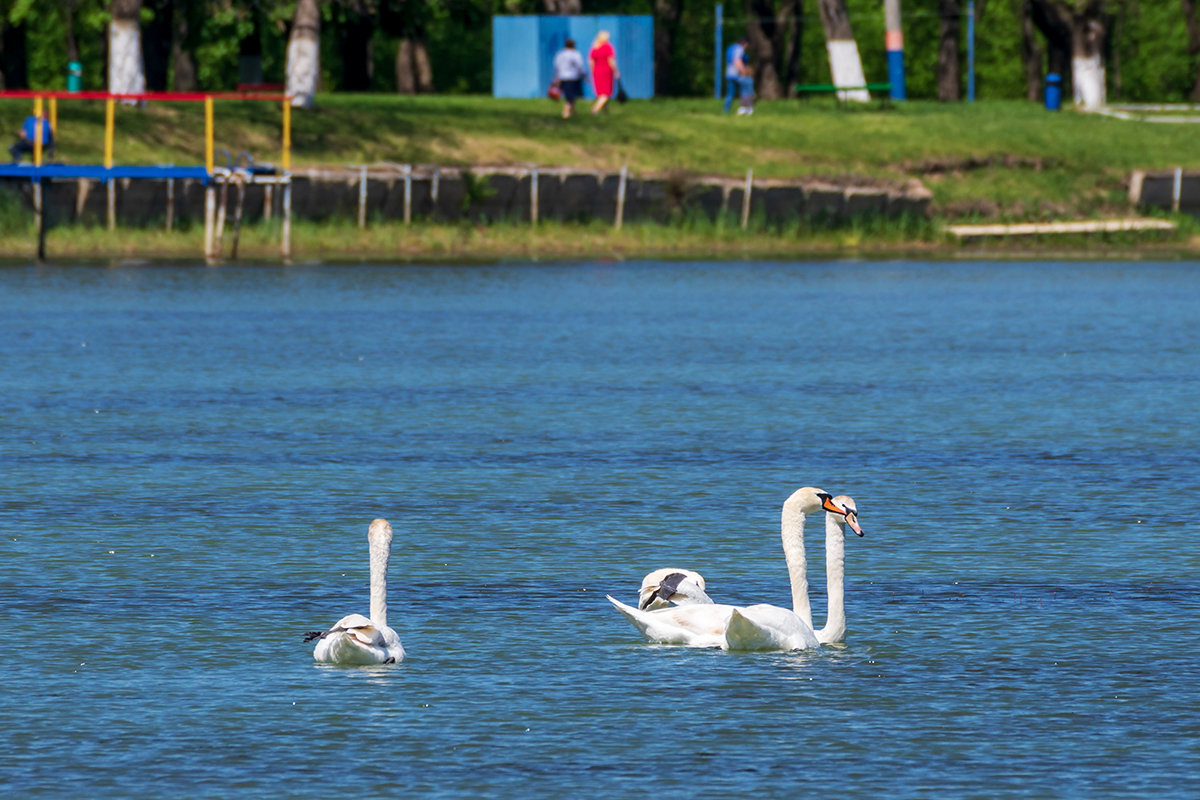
(604, 70)
(738, 77)
(569, 71)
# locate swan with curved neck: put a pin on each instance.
(356, 640)
(758, 627)
(671, 586)
(835, 568)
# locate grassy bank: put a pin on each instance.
(987, 161)
(428, 242)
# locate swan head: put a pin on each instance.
(810, 500)
(380, 533)
(844, 505)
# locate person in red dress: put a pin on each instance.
(604, 70)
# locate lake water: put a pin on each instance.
(191, 457)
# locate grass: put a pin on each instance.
(986, 161)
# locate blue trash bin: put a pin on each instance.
(1053, 91)
(74, 76)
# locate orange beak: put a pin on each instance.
(852, 520)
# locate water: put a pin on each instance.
(191, 457)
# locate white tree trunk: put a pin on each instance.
(126, 71)
(304, 54)
(845, 65)
(1088, 77)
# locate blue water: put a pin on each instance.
(191, 457)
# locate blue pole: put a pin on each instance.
(971, 51)
(720, 24)
(894, 42)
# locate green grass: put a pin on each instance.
(996, 159)
(987, 161)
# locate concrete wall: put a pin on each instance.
(1174, 189)
(484, 195)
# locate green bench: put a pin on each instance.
(883, 91)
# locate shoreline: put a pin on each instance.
(440, 243)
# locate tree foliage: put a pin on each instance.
(1150, 54)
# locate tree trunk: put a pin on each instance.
(1193, 27)
(304, 54)
(358, 27)
(563, 6)
(844, 62)
(69, 7)
(666, 24)
(760, 28)
(14, 57)
(413, 72)
(156, 44)
(250, 52)
(182, 49)
(126, 69)
(1076, 39)
(1032, 53)
(949, 83)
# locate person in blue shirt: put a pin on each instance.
(28, 131)
(739, 77)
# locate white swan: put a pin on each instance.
(356, 641)
(668, 586)
(758, 627)
(835, 568)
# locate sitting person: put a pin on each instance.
(28, 131)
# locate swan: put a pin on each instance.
(835, 568)
(758, 627)
(668, 586)
(356, 641)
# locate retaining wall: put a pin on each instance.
(482, 194)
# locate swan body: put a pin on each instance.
(355, 640)
(696, 625)
(758, 627)
(664, 587)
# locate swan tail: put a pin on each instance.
(308, 637)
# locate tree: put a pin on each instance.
(1032, 53)
(1077, 34)
(406, 20)
(949, 84)
(774, 28)
(845, 64)
(126, 67)
(1193, 26)
(666, 25)
(304, 54)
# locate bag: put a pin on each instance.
(621, 96)
(555, 90)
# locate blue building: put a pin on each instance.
(523, 49)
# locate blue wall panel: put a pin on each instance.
(523, 49)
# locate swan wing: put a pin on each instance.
(664, 587)
(691, 625)
(767, 627)
(354, 641)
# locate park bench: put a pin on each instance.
(882, 91)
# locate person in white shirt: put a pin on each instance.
(568, 73)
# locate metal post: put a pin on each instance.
(39, 210)
(718, 56)
(1177, 189)
(170, 204)
(285, 246)
(894, 42)
(111, 187)
(407, 193)
(533, 196)
(362, 197)
(746, 197)
(210, 215)
(621, 197)
(971, 51)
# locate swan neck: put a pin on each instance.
(835, 579)
(379, 565)
(792, 529)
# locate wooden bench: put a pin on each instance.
(883, 91)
